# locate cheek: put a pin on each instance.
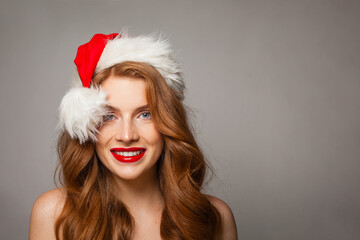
(104, 137)
(154, 138)
(105, 133)
(100, 145)
(100, 152)
(159, 143)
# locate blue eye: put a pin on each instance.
(108, 117)
(145, 115)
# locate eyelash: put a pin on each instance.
(145, 112)
(110, 117)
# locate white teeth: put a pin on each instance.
(128, 154)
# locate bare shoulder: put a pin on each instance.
(44, 213)
(228, 225)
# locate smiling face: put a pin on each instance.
(129, 144)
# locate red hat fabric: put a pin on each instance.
(89, 54)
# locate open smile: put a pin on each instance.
(128, 155)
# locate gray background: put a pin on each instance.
(274, 87)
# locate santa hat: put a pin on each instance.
(83, 106)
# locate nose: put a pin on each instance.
(127, 132)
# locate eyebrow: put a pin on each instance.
(115, 109)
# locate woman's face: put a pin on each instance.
(129, 144)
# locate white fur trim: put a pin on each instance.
(147, 49)
(81, 112)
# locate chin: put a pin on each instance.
(130, 172)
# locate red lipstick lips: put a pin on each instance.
(128, 155)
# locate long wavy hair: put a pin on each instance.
(92, 211)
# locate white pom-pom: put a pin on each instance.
(81, 112)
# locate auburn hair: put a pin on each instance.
(92, 211)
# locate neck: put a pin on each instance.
(141, 193)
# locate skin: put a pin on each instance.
(129, 126)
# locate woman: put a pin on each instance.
(130, 167)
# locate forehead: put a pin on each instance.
(125, 93)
